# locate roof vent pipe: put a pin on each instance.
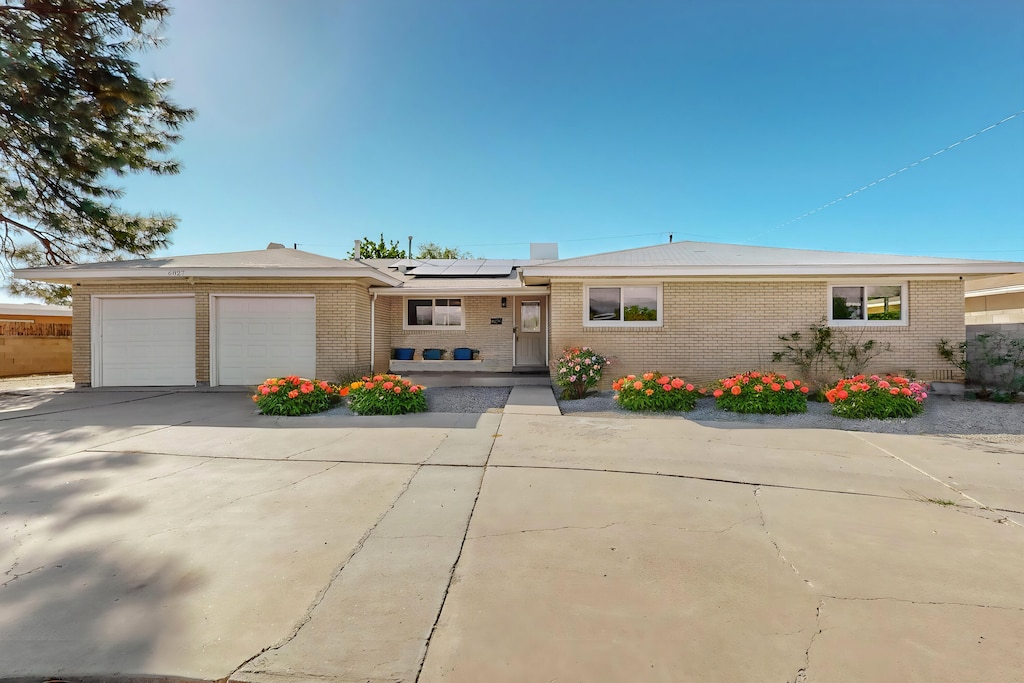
(670, 238)
(409, 255)
(358, 251)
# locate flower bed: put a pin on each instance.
(757, 392)
(880, 397)
(579, 370)
(294, 396)
(385, 395)
(655, 391)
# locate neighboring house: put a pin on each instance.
(995, 300)
(34, 339)
(699, 310)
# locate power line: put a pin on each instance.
(894, 173)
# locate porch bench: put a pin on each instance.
(403, 366)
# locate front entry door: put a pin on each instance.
(530, 333)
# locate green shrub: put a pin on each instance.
(294, 396)
(655, 391)
(861, 397)
(579, 370)
(385, 395)
(765, 393)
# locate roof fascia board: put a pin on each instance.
(181, 274)
(781, 270)
(452, 291)
(995, 291)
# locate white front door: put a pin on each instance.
(144, 341)
(258, 337)
(530, 336)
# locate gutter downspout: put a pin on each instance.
(373, 325)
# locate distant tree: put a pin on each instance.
(431, 250)
(73, 113)
(381, 249)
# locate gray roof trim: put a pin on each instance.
(862, 269)
(62, 274)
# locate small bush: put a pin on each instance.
(765, 393)
(294, 396)
(655, 391)
(579, 370)
(385, 395)
(862, 397)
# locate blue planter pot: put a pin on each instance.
(432, 354)
(463, 354)
(404, 354)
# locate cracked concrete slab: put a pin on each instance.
(148, 565)
(883, 548)
(793, 457)
(887, 641)
(570, 575)
(377, 614)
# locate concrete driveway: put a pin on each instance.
(180, 535)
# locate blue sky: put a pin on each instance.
(597, 124)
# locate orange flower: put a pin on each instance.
(649, 392)
(717, 392)
(307, 387)
(255, 397)
(398, 390)
(804, 389)
(842, 394)
(689, 387)
(894, 392)
(662, 380)
(388, 385)
(293, 393)
(631, 377)
(343, 391)
(677, 383)
(648, 375)
(369, 385)
(789, 385)
(736, 391)
(758, 388)
(796, 382)
(905, 391)
(638, 385)
(776, 387)
(274, 389)
(324, 385)
(702, 391)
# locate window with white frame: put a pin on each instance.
(625, 306)
(864, 304)
(424, 313)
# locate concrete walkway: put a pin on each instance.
(180, 535)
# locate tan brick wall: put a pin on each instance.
(342, 321)
(34, 355)
(384, 308)
(712, 329)
(493, 341)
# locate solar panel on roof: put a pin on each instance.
(494, 270)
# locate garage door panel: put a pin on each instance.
(261, 337)
(147, 341)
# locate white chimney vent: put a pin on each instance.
(544, 251)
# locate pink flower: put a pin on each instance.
(265, 390)
(398, 390)
(666, 387)
(717, 392)
(736, 391)
(758, 388)
(689, 387)
(307, 387)
(677, 383)
(388, 385)
(789, 385)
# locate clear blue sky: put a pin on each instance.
(597, 124)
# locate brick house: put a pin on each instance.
(700, 310)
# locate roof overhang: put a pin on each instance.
(993, 291)
(538, 274)
(455, 291)
(72, 275)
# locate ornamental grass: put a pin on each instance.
(761, 392)
(862, 397)
(294, 395)
(653, 391)
(385, 395)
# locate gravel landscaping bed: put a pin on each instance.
(942, 415)
(455, 400)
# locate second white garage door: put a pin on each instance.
(260, 336)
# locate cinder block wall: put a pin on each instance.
(342, 321)
(999, 309)
(493, 341)
(34, 355)
(713, 329)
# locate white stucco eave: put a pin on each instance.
(538, 273)
(73, 275)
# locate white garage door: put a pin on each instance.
(260, 337)
(146, 342)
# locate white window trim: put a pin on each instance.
(587, 322)
(433, 328)
(904, 320)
